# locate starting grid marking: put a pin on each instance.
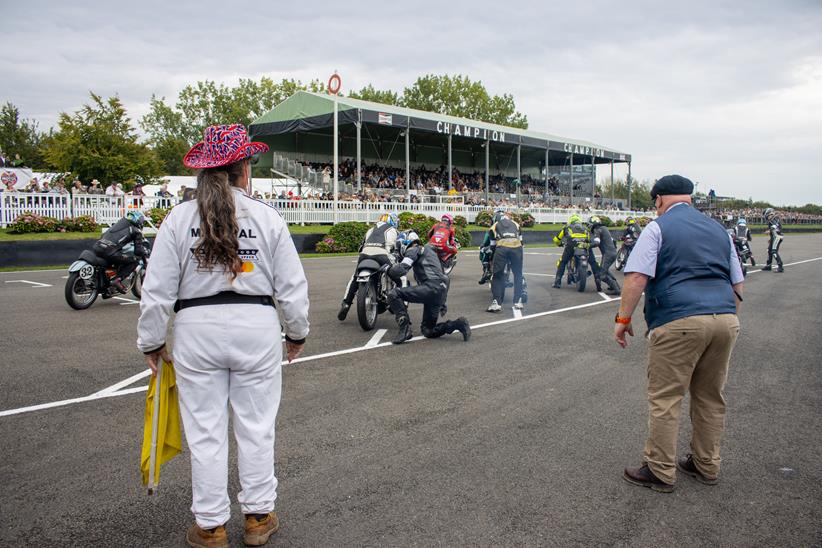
(35, 284)
(119, 389)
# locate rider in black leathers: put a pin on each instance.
(110, 247)
(431, 290)
(775, 239)
(601, 238)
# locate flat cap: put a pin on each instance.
(672, 184)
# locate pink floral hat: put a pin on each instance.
(222, 145)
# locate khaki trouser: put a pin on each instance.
(689, 354)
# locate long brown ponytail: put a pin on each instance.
(218, 244)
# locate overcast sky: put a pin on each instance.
(728, 94)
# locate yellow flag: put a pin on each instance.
(169, 434)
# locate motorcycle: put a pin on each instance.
(91, 275)
(372, 292)
(450, 262)
(578, 267)
(624, 252)
(744, 253)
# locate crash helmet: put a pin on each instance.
(574, 219)
(768, 212)
(630, 220)
(594, 220)
(741, 222)
(393, 219)
(447, 218)
(408, 239)
(136, 217)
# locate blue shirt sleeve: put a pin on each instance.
(645, 252)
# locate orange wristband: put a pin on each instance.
(623, 321)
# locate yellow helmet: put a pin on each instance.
(574, 219)
(630, 220)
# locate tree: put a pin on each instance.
(369, 93)
(98, 142)
(171, 130)
(640, 192)
(20, 138)
(459, 96)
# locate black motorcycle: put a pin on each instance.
(372, 293)
(578, 267)
(90, 276)
(624, 252)
(743, 251)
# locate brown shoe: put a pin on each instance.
(687, 465)
(644, 477)
(203, 538)
(257, 531)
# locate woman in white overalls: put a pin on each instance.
(227, 265)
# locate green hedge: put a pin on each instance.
(28, 223)
(157, 215)
(343, 238)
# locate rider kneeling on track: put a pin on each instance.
(431, 290)
(571, 235)
(378, 245)
(110, 247)
(601, 238)
(506, 243)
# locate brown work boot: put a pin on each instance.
(257, 531)
(644, 477)
(205, 538)
(687, 465)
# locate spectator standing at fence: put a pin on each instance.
(77, 187)
(94, 187)
(163, 192)
(115, 190)
(688, 268)
(227, 344)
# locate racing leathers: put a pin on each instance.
(486, 255)
(740, 234)
(110, 247)
(443, 238)
(378, 245)
(431, 290)
(774, 241)
(569, 237)
(601, 238)
(633, 231)
(506, 242)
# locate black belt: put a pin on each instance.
(224, 297)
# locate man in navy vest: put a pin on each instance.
(687, 266)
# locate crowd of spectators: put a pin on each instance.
(754, 216)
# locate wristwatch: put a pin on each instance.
(624, 321)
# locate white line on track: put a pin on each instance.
(604, 296)
(35, 284)
(105, 394)
(375, 340)
(127, 301)
(538, 274)
(122, 384)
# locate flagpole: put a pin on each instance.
(155, 418)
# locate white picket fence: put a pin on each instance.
(106, 210)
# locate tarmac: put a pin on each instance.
(516, 438)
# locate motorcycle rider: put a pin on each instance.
(742, 231)
(506, 243)
(431, 290)
(632, 229)
(110, 247)
(378, 245)
(601, 238)
(443, 237)
(486, 252)
(775, 239)
(573, 233)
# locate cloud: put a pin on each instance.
(727, 93)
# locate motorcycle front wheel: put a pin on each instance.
(367, 305)
(137, 286)
(80, 294)
(582, 275)
(622, 255)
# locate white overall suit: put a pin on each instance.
(227, 353)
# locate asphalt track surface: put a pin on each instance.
(518, 437)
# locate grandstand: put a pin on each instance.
(301, 130)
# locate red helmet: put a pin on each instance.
(447, 218)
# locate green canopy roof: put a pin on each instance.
(306, 111)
